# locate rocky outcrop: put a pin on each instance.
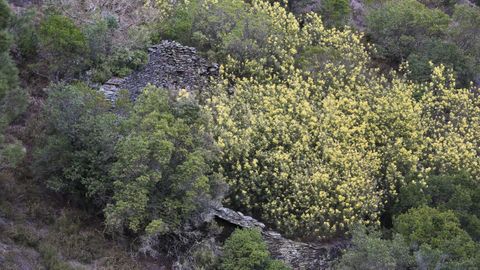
(298, 255)
(170, 66)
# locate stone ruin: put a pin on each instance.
(173, 66)
(170, 66)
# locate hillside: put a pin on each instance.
(239, 135)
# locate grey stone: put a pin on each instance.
(298, 255)
(170, 66)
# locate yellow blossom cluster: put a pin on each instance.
(452, 119)
(314, 148)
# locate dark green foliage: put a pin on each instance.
(461, 194)
(59, 31)
(63, 47)
(5, 40)
(11, 153)
(276, 265)
(8, 71)
(75, 152)
(99, 36)
(125, 61)
(120, 64)
(335, 12)
(465, 33)
(162, 172)
(179, 25)
(217, 30)
(5, 14)
(150, 171)
(407, 30)
(246, 250)
(26, 35)
(402, 27)
(441, 52)
(371, 251)
(410, 196)
(12, 99)
(438, 231)
(8, 80)
(445, 5)
(456, 192)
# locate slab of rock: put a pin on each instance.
(298, 255)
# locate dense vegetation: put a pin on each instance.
(12, 98)
(318, 129)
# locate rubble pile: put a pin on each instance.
(170, 66)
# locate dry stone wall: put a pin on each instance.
(170, 66)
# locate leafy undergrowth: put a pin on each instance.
(37, 232)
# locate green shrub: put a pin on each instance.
(120, 64)
(5, 15)
(411, 195)
(465, 32)
(456, 192)
(149, 170)
(13, 100)
(335, 12)
(101, 74)
(402, 27)
(162, 172)
(99, 36)
(441, 52)
(461, 194)
(445, 5)
(438, 230)
(371, 251)
(178, 26)
(246, 250)
(236, 29)
(26, 35)
(125, 61)
(63, 47)
(8, 71)
(75, 152)
(11, 153)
